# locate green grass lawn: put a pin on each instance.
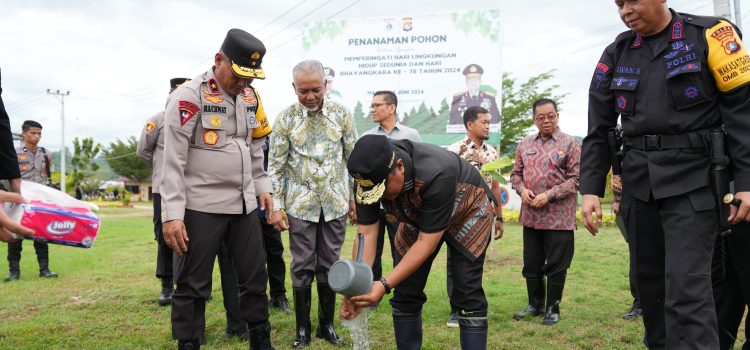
(105, 298)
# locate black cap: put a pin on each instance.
(473, 69)
(176, 82)
(245, 53)
(369, 164)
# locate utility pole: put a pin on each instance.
(61, 96)
(722, 9)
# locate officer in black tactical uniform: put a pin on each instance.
(673, 78)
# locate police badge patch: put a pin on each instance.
(187, 111)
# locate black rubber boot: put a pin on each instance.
(326, 309)
(165, 297)
(634, 312)
(15, 271)
(281, 303)
(535, 289)
(302, 297)
(260, 337)
(473, 330)
(193, 344)
(554, 295)
(44, 269)
(407, 329)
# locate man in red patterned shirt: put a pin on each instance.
(545, 175)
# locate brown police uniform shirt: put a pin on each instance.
(33, 165)
(151, 147)
(212, 162)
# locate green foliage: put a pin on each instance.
(123, 160)
(499, 168)
(125, 197)
(486, 23)
(516, 106)
(82, 163)
(313, 33)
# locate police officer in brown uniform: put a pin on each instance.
(151, 150)
(473, 97)
(672, 78)
(34, 163)
(212, 173)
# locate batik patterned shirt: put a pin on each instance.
(475, 155)
(307, 161)
(548, 166)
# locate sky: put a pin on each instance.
(116, 57)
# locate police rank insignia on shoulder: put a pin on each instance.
(187, 111)
(210, 137)
(150, 127)
(213, 86)
(727, 58)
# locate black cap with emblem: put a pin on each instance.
(245, 53)
(473, 70)
(176, 82)
(369, 164)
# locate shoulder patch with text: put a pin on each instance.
(727, 57)
(187, 111)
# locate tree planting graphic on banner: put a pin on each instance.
(437, 64)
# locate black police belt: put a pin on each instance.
(694, 140)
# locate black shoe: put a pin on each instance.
(326, 310)
(634, 312)
(13, 275)
(281, 303)
(165, 297)
(188, 344)
(302, 297)
(47, 273)
(260, 337)
(452, 320)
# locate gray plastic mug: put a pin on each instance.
(351, 278)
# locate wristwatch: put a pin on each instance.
(385, 285)
(499, 218)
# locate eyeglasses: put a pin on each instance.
(550, 117)
(376, 105)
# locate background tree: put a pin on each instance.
(123, 160)
(82, 164)
(516, 107)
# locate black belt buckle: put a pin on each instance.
(652, 142)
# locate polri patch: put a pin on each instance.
(210, 137)
(187, 111)
(622, 102)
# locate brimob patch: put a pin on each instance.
(210, 137)
(187, 111)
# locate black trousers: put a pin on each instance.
(731, 276)
(671, 244)
(631, 274)
(469, 299)
(392, 226)
(15, 249)
(274, 259)
(547, 252)
(207, 232)
(163, 253)
(230, 290)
